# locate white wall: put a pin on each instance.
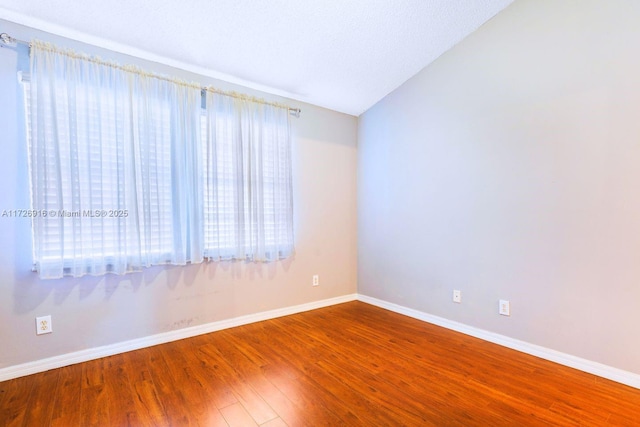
(96, 311)
(510, 168)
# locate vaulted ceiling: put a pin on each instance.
(340, 54)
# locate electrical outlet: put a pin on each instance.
(504, 308)
(316, 280)
(43, 325)
(457, 296)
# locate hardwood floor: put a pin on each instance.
(347, 365)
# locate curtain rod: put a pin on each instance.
(7, 41)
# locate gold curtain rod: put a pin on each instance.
(7, 41)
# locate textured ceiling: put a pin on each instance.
(341, 54)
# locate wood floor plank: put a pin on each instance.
(93, 406)
(67, 395)
(17, 394)
(42, 399)
(350, 364)
(237, 416)
(93, 373)
(198, 382)
(148, 407)
(275, 423)
(121, 405)
(179, 411)
(202, 393)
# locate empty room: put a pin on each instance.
(342, 213)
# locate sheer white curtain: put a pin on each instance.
(247, 186)
(115, 166)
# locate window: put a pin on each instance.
(110, 167)
(247, 168)
(128, 170)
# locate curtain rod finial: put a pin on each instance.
(295, 112)
(7, 40)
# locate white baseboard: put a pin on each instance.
(595, 368)
(109, 350)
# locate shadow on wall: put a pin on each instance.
(30, 291)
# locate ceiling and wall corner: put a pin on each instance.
(341, 55)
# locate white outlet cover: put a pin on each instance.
(457, 296)
(43, 325)
(504, 308)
